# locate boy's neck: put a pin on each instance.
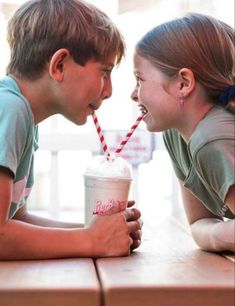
(38, 95)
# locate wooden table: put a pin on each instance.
(63, 282)
(167, 270)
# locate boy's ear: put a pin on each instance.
(186, 81)
(57, 64)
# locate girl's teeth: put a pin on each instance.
(143, 110)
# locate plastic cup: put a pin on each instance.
(102, 195)
(107, 192)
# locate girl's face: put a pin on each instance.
(156, 95)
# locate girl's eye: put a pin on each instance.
(138, 80)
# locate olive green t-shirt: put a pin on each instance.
(206, 164)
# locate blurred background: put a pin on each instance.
(66, 149)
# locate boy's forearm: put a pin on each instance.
(20, 240)
(106, 236)
(213, 234)
(45, 222)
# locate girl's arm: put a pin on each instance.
(209, 231)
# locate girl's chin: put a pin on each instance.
(148, 121)
(151, 126)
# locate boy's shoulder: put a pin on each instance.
(8, 83)
(12, 102)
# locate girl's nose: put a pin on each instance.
(134, 95)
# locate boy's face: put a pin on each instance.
(84, 88)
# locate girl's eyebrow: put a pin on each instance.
(136, 72)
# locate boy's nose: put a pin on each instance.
(107, 92)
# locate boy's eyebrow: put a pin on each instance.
(109, 65)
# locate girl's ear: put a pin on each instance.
(186, 81)
(57, 64)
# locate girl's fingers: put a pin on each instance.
(135, 244)
(136, 235)
(130, 203)
(132, 214)
(133, 226)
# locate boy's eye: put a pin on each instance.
(107, 72)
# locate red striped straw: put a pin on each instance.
(101, 136)
(128, 135)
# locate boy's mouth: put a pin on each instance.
(94, 107)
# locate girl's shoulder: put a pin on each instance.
(217, 125)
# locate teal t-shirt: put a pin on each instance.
(206, 164)
(18, 140)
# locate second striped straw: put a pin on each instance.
(128, 135)
(122, 143)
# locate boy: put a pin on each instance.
(62, 55)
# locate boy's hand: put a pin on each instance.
(116, 234)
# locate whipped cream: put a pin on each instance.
(115, 167)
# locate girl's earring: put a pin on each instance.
(181, 100)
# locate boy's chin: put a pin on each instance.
(79, 120)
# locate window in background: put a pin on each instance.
(66, 149)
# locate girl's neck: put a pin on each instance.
(192, 119)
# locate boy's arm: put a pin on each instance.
(23, 215)
(209, 231)
(107, 235)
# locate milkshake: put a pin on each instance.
(107, 185)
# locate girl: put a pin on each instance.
(185, 86)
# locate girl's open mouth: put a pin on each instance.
(143, 109)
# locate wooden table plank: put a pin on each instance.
(62, 282)
(167, 270)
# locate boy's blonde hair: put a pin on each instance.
(198, 42)
(40, 27)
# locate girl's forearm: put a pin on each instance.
(213, 234)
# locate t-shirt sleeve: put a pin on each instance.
(13, 132)
(215, 162)
(172, 148)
